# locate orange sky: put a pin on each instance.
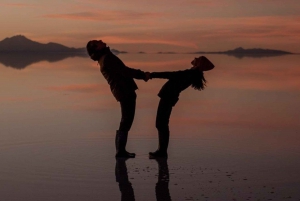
(150, 26)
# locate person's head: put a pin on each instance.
(202, 64)
(95, 48)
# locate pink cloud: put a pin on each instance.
(264, 23)
(15, 99)
(207, 3)
(168, 65)
(209, 34)
(139, 40)
(105, 15)
(16, 5)
(271, 31)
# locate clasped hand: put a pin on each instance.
(147, 76)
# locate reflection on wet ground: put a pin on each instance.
(162, 186)
(236, 140)
(23, 59)
(125, 186)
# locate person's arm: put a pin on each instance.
(118, 67)
(169, 75)
(134, 73)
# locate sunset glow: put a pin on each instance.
(176, 25)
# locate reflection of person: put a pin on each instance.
(162, 186)
(122, 85)
(127, 193)
(169, 93)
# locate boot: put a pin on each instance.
(121, 141)
(163, 142)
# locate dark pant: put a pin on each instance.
(163, 115)
(127, 111)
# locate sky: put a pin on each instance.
(151, 26)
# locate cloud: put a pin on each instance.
(15, 99)
(262, 22)
(167, 65)
(212, 32)
(207, 3)
(150, 4)
(166, 33)
(16, 5)
(139, 40)
(104, 16)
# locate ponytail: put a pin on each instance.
(199, 81)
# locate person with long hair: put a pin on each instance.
(169, 95)
(120, 78)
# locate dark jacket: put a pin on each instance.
(178, 81)
(120, 77)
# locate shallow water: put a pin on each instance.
(236, 140)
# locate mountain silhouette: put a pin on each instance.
(20, 43)
(254, 52)
(19, 52)
(241, 50)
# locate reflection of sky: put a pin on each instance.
(58, 122)
(241, 93)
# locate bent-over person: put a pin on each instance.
(120, 79)
(169, 95)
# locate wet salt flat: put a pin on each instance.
(236, 140)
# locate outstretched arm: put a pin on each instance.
(169, 75)
(134, 73)
(118, 67)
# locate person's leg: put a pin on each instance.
(128, 112)
(162, 124)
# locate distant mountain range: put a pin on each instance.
(241, 50)
(20, 44)
(254, 52)
(20, 52)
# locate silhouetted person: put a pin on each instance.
(120, 78)
(162, 186)
(127, 193)
(169, 95)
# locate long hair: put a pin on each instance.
(94, 53)
(199, 81)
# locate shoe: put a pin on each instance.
(120, 142)
(125, 154)
(163, 143)
(158, 154)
